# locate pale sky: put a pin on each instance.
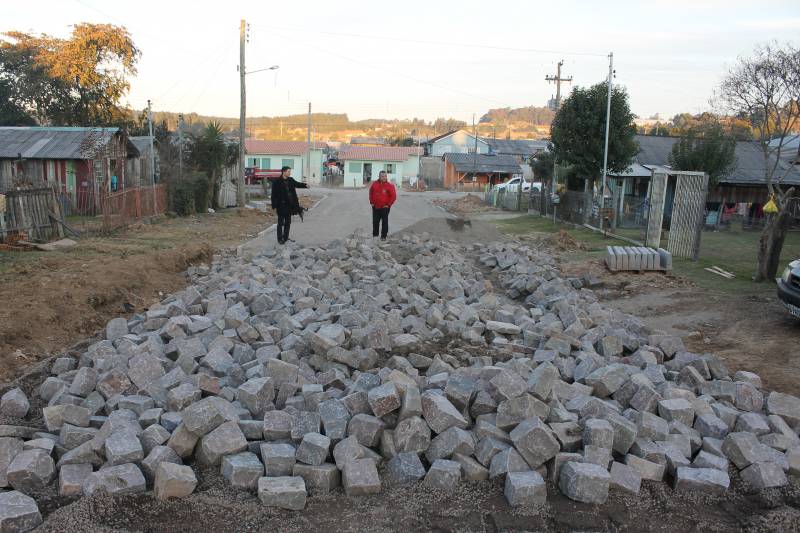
(388, 59)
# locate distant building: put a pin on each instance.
(273, 155)
(478, 170)
(522, 149)
(368, 141)
(363, 163)
(455, 142)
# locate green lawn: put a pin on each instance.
(732, 250)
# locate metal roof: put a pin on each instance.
(378, 153)
(256, 146)
(142, 143)
(524, 147)
(368, 140)
(55, 142)
(748, 169)
(634, 171)
(484, 163)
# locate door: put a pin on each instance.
(367, 173)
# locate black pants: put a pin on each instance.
(284, 223)
(380, 220)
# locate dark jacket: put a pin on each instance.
(284, 196)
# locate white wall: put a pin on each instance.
(459, 142)
(355, 178)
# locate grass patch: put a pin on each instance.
(733, 250)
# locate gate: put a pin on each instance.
(655, 216)
(687, 214)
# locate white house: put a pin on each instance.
(273, 155)
(455, 142)
(363, 163)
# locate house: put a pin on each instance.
(368, 141)
(743, 190)
(478, 170)
(455, 142)
(83, 162)
(273, 155)
(363, 163)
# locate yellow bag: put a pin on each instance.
(771, 207)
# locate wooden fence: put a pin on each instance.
(32, 213)
(130, 205)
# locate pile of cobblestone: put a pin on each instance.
(305, 369)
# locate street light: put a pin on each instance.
(273, 67)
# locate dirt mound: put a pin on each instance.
(468, 204)
(53, 299)
(456, 229)
(565, 242)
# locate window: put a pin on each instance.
(287, 163)
(389, 168)
(265, 163)
(354, 168)
(252, 161)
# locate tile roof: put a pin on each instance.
(748, 169)
(379, 153)
(55, 142)
(256, 146)
(484, 163)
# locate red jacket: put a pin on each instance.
(382, 194)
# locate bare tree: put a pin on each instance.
(766, 89)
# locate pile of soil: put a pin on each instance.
(461, 230)
(564, 242)
(465, 205)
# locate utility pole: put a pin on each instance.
(308, 148)
(240, 196)
(558, 79)
(180, 146)
(608, 124)
(475, 151)
(152, 153)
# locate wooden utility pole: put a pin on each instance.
(558, 79)
(240, 186)
(152, 153)
(308, 148)
(180, 146)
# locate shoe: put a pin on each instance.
(281, 242)
(290, 240)
(383, 238)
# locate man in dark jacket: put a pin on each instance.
(382, 195)
(285, 202)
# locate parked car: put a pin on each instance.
(789, 288)
(512, 185)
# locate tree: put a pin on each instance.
(765, 88)
(542, 165)
(578, 131)
(705, 148)
(79, 81)
(209, 154)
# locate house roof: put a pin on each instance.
(142, 143)
(257, 146)
(636, 170)
(55, 142)
(484, 163)
(748, 169)
(515, 147)
(368, 140)
(449, 133)
(378, 153)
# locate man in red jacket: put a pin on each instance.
(382, 195)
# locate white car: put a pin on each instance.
(512, 185)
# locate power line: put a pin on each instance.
(439, 43)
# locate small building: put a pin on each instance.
(478, 170)
(368, 141)
(363, 163)
(455, 142)
(137, 171)
(83, 162)
(273, 155)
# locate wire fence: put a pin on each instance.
(93, 211)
